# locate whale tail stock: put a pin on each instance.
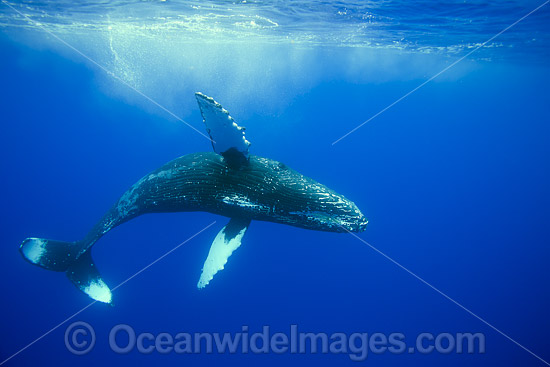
(68, 257)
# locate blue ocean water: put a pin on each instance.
(453, 178)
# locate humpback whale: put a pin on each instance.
(228, 181)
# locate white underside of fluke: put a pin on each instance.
(221, 249)
(99, 291)
(33, 249)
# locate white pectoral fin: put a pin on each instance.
(227, 241)
(227, 137)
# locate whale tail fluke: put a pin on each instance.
(66, 257)
(84, 275)
(49, 254)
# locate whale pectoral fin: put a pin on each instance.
(227, 241)
(227, 137)
(84, 275)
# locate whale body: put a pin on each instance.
(227, 182)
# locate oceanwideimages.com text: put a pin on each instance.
(80, 338)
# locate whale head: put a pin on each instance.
(329, 211)
(303, 202)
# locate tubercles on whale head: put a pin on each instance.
(352, 220)
(347, 219)
(356, 223)
(340, 215)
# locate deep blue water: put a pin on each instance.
(453, 179)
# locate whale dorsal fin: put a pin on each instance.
(227, 241)
(227, 137)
